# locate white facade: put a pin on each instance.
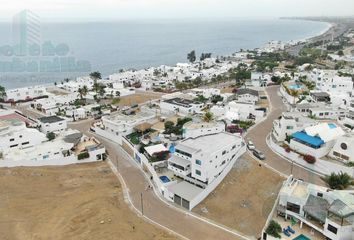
(208, 155)
(196, 129)
(118, 124)
(15, 135)
(207, 92)
(181, 106)
(52, 124)
(25, 93)
(343, 149)
(289, 123)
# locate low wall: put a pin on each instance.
(50, 162)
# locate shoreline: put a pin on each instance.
(331, 27)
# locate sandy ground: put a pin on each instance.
(244, 199)
(138, 98)
(72, 202)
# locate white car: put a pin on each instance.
(250, 145)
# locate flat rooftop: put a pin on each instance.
(209, 143)
(120, 117)
(180, 102)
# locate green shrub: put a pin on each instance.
(83, 155)
(274, 229)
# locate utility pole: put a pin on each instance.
(142, 204)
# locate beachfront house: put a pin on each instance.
(343, 149)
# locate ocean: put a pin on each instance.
(110, 46)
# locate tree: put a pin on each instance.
(274, 229)
(191, 56)
(208, 117)
(338, 181)
(295, 94)
(169, 126)
(197, 81)
(50, 136)
(55, 83)
(341, 53)
(82, 91)
(66, 79)
(205, 56)
(95, 75)
(2, 92)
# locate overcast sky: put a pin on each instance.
(133, 9)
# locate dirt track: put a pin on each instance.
(72, 202)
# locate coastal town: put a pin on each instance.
(258, 144)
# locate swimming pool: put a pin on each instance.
(165, 179)
(295, 86)
(301, 237)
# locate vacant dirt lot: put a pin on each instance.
(138, 98)
(71, 202)
(244, 199)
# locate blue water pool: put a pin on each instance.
(165, 179)
(302, 237)
(332, 125)
(295, 87)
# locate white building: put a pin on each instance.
(316, 140)
(53, 124)
(247, 95)
(329, 212)
(26, 93)
(238, 111)
(202, 162)
(289, 123)
(196, 129)
(181, 106)
(117, 125)
(343, 149)
(329, 81)
(15, 135)
(205, 92)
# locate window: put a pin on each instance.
(293, 207)
(25, 143)
(198, 162)
(198, 172)
(319, 194)
(224, 152)
(332, 229)
(289, 127)
(344, 146)
(15, 145)
(12, 139)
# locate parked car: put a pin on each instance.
(250, 145)
(258, 154)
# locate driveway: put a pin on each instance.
(259, 133)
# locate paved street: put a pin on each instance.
(155, 209)
(259, 133)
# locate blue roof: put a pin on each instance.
(303, 137)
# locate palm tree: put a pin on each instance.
(338, 181)
(295, 94)
(208, 117)
(95, 75)
(82, 91)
